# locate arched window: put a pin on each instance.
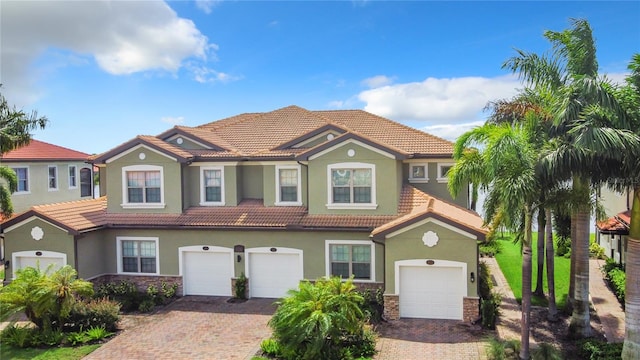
(86, 182)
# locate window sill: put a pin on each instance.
(137, 273)
(442, 180)
(352, 206)
(143, 206)
(211, 204)
(288, 203)
(418, 180)
(21, 193)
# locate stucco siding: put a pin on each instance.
(252, 182)
(94, 255)
(451, 246)
(433, 186)
(53, 239)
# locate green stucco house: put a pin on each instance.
(280, 196)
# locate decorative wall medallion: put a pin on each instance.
(142, 156)
(330, 137)
(430, 238)
(37, 233)
(351, 152)
(179, 141)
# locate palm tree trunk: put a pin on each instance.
(631, 347)
(572, 270)
(551, 283)
(580, 325)
(540, 262)
(526, 286)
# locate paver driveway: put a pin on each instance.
(194, 327)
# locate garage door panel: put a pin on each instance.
(207, 273)
(431, 292)
(271, 275)
(42, 263)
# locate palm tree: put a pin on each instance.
(583, 134)
(507, 170)
(15, 127)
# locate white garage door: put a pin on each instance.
(42, 259)
(432, 292)
(272, 273)
(206, 272)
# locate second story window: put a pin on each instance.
(288, 191)
(443, 171)
(86, 182)
(418, 173)
(53, 177)
(212, 186)
(352, 185)
(142, 187)
(23, 179)
(73, 181)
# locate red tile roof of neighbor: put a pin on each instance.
(618, 224)
(41, 151)
(86, 215)
(262, 135)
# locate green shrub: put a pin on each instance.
(97, 333)
(323, 320)
(146, 305)
(18, 336)
(490, 309)
(545, 351)
(154, 295)
(618, 278)
(240, 287)
(270, 347)
(596, 251)
(47, 337)
(489, 249)
(503, 350)
(95, 313)
(168, 291)
(484, 281)
(563, 246)
(77, 338)
(590, 349)
(373, 305)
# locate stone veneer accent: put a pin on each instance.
(141, 281)
(470, 311)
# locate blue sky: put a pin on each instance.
(106, 71)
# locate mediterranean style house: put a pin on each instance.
(612, 233)
(279, 196)
(47, 174)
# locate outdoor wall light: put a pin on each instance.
(7, 263)
(239, 257)
(473, 277)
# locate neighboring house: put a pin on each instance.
(612, 233)
(47, 174)
(280, 196)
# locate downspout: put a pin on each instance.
(384, 260)
(75, 253)
(307, 166)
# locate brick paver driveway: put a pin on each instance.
(193, 327)
(199, 327)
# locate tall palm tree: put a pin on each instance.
(507, 170)
(15, 128)
(584, 135)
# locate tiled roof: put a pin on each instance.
(151, 141)
(41, 151)
(85, 215)
(618, 224)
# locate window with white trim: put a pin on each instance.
(73, 177)
(53, 177)
(143, 186)
(418, 173)
(443, 170)
(351, 257)
(22, 173)
(352, 185)
(288, 185)
(212, 185)
(86, 182)
(138, 255)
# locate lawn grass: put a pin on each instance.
(58, 353)
(510, 261)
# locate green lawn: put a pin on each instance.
(63, 353)
(510, 261)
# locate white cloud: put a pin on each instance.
(203, 74)
(438, 101)
(207, 5)
(450, 131)
(123, 37)
(377, 81)
(179, 120)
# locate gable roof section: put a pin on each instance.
(618, 224)
(420, 206)
(152, 142)
(310, 135)
(206, 138)
(41, 151)
(326, 146)
(73, 216)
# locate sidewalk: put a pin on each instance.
(604, 302)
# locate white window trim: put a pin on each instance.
(203, 202)
(55, 167)
(28, 180)
(120, 239)
(75, 172)
(125, 202)
(299, 187)
(327, 256)
(441, 178)
(356, 206)
(419, 180)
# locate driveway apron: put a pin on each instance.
(194, 327)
